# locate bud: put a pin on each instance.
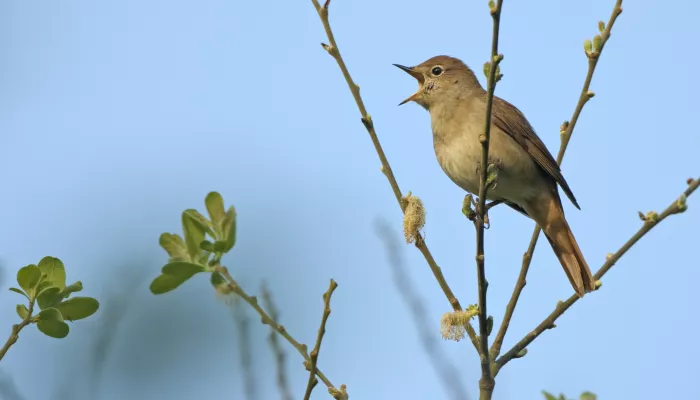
(588, 46)
(564, 126)
(681, 203)
(597, 43)
(601, 26)
(521, 353)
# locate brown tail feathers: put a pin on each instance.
(559, 235)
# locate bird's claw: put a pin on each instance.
(470, 209)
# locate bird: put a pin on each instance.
(527, 174)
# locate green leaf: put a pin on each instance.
(175, 246)
(588, 396)
(548, 396)
(165, 283)
(183, 269)
(203, 223)
(215, 208)
(50, 323)
(229, 229)
(13, 289)
(54, 270)
(22, 311)
(73, 288)
(28, 277)
(194, 234)
(207, 246)
(49, 297)
(78, 308)
(174, 275)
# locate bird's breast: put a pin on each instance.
(458, 152)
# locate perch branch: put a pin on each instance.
(486, 383)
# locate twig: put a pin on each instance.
(332, 49)
(16, 328)
(246, 358)
(566, 131)
(444, 369)
(282, 384)
(486, 383)
(317, 347)
(337, 393)
(676, 207)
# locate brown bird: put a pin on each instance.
(527, 174)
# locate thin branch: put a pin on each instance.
(444, 369)
(566, 131)
(317, 347)
(486, 383)
(332, 49)
(652, 220)
(16, 328)
(277, 350)
(244, 347)
(337, 393)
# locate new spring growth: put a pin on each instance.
(487, 70)
(588, 46)
(651, 216)
(601, 26)
(413, 217)
(452, 324)
(492, 6)
(563, 128)
(681, 204)
(597, 43)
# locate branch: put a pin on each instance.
(566, 130)
(16, 328)
(321, 331)
(650, 221)
(339, 394)
(486, 383)
(275, 344)
(332, 49)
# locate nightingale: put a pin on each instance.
(527, 174)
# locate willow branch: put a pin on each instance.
(566, 131)
(339, 394)
(332, 49)
(317, 347)
(651, 220)
(16, 328)
(486, 383)
(277, 350)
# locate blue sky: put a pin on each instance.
(116, 116)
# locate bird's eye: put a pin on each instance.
(436, 71)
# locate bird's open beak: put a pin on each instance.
(419, 77)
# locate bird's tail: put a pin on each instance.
(559, 235)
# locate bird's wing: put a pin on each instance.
(511, 121)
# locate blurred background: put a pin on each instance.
(117, 115)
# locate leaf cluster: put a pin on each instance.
(201, 247)
(44, 285)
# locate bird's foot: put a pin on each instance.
(470, 209)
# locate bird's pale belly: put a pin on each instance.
(518, 175)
